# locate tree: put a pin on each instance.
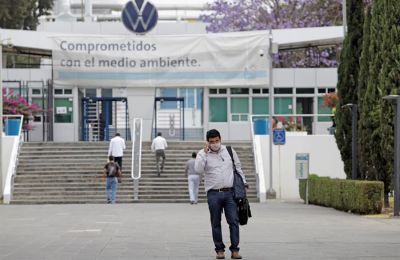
(380, 79)
(244, 15)
(365, 129)
(23, 14)
(388, 83)
(348, 79)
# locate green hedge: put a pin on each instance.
(362, 197)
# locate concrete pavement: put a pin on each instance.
(278, 230)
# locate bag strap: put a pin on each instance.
(229, 148)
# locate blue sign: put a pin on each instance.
(279, 136)
(139, 16)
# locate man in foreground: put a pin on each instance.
(216, 164)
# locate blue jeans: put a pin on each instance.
(111, 188)
(216, 202)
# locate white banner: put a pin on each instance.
(221, 59)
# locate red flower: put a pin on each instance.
(330, 100)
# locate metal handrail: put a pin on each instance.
(136, 172)
(137, 128)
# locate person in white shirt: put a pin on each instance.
(158, 146)
(116, 149)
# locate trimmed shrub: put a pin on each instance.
(361, 197)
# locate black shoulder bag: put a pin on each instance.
(239, 191)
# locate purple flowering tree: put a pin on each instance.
(245, 15)
(17, 105)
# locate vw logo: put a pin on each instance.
(139, 16)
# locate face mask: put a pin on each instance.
(215, 147)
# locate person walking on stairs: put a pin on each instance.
(193, 179)
(111, 173)
(116, 149)
(158, 147)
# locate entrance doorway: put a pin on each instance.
(102, 117)
(169, 121)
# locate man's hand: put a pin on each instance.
(206, 148)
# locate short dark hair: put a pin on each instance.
(159, 134)
(117, 134)
(111, 158)
(194, 155)
(212, 134)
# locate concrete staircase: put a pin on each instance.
(71, 173)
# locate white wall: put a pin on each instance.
(141, 105)
(64, 132)
(325, 160)
(7, 143)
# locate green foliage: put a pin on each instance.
(348, 79)
(22, 14)
(364, 125)
(379, 76)
(361, 197)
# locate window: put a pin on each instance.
(36, 91)
(215, 91)
(239, 91)
(218, 110)
(240, 109)
(169, 92)
(67, 91)
(304, 90)
(58, 91)
(260, 106)
(304, 105)
(199, 98)
(283, 105)
(265, 91)
(322, 109)
(256, 91)
(63, 110)
(283, 90)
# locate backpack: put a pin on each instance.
(112, 169)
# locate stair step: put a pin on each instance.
(71, 173)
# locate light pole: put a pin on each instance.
(354, 118)
(271, 194)
(395, 100)
(344, 9)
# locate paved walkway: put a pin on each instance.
(278, 230)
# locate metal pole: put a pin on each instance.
(396, 158)
(344, 7)
(354, 142)
(271, 194)
(1, 120)
(396, 178)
